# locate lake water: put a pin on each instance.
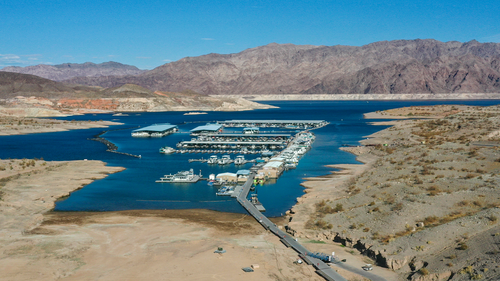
(135, 187)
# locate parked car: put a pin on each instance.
(367, 267)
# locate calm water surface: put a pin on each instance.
(135, 188)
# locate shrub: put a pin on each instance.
(493, 218)
(338, 208)
(462, 246)
(431, 220)
(424, 271)
(323, 224)
(397, 207)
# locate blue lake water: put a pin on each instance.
(135, 187)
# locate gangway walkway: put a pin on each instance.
(322, 268)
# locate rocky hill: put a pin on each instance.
(388, 67)
(12, 84)
(69, 70)
(29, 95)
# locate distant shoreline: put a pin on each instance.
(368, 97)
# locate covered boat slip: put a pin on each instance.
(156, 130)
(207, 129)
(233, 144)
(244, 137)
(290, 124)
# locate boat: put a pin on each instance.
(226, 159)
(140, 134)
(194, 113)
(259, 160)
(213, 159)
(240, 160)
(266, 153)
(225, 191)
(167, 150)
(180, 177)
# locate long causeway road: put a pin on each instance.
(322, 268)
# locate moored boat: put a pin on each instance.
(167, 150)
(181, 177)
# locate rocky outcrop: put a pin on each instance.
(388, 67)
(69, 70)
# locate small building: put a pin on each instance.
(227, 177)
(271, 170)
(242, 175)
(207, 129)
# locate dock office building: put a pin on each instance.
(271, 170)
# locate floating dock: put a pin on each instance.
(287, 124)
(255, 201)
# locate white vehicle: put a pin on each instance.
(367, 267)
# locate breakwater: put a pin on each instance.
(111, 147)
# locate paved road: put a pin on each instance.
(322, 268)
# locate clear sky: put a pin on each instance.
(149, 33)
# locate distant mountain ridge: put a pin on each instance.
(386, 67)
(66, 71)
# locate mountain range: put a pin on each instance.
(387, 67)
(66, 71)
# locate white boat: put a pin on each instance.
(213, 159)
(181, 177)
(140, 134)
(167, 150)
(240, 160)
(226, 159)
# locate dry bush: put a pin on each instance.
(470, 176)
(397, 207)
(434, 190)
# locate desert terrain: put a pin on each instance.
(423, 205)
(425, 201)
(39, 244)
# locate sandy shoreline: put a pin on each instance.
(37, 243)
(23, 125)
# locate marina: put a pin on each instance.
(125, 190)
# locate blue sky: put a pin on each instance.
(150, 33)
